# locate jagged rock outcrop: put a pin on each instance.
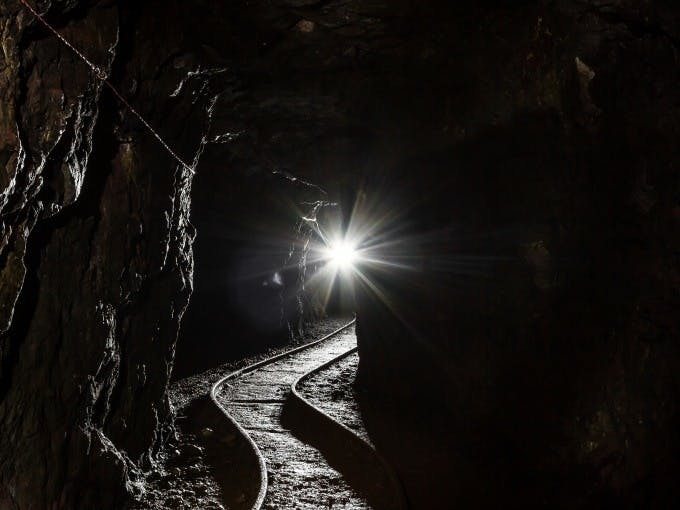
(96, 253)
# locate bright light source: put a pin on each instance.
(342, 255)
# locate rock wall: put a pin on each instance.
(96, 252)
(540, 214)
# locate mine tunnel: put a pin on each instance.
(348, 254)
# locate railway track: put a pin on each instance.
(306, 459)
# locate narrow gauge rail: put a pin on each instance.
(304, 461)
(361, 451)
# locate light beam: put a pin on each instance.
(342, 255)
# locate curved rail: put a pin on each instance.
(251, 368)
(402, 501)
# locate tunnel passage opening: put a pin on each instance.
(263, 270)
(334, 263)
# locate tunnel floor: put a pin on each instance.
(332, 390)
(299, 475)
(203, 466)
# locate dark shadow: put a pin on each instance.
(343, 451)
(232, 461)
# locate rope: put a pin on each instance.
(101, 76)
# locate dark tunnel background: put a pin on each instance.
(516, 162)
(524, 164)
(519, 164)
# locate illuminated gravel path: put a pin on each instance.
(299, 476)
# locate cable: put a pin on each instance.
(101, 75)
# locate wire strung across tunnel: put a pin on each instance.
(101, 75)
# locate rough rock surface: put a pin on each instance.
(540, 219)
(96, 251)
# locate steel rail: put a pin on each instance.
(262, 463)
(397, 486)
